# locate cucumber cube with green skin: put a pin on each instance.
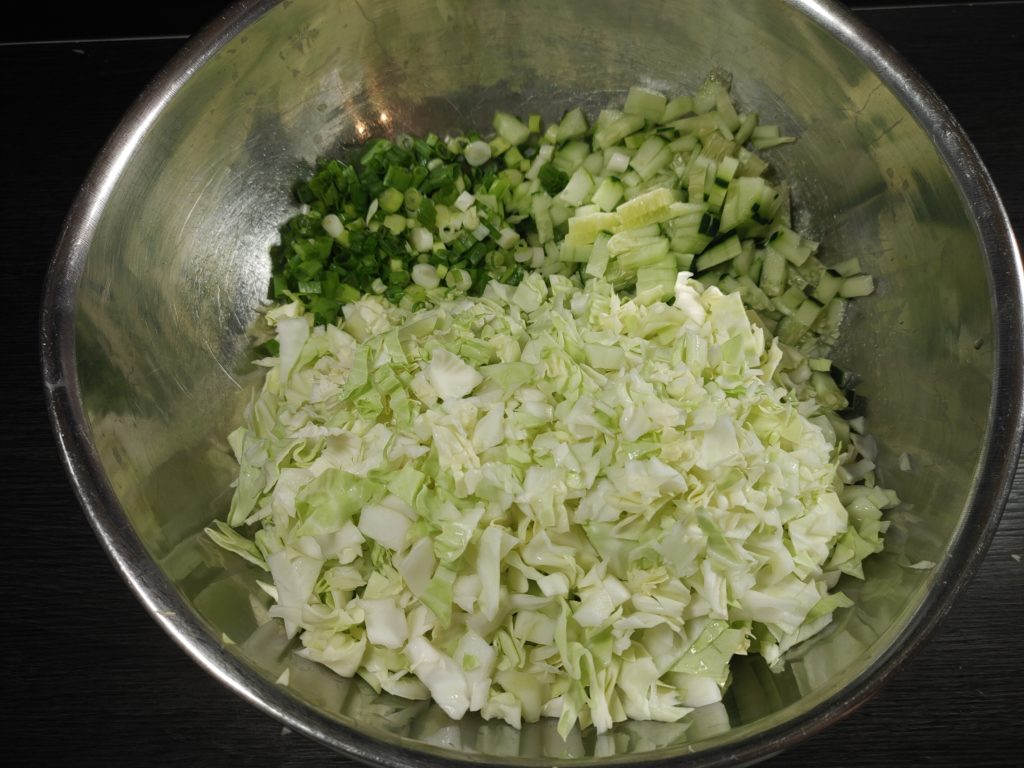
(719, 254)
(828, 286)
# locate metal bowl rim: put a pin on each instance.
(156, 592)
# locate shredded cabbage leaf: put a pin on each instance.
(548, 500)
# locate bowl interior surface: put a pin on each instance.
(177, 267)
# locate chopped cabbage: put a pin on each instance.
(548, 500)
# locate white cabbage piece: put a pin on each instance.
(548, 501)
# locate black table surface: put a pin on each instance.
(89, 676)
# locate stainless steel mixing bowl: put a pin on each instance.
(163, 264)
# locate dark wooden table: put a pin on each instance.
(89, 677)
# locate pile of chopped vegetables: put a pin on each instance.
(548, 426)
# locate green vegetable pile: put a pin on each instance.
(512, 455)
(655, 188)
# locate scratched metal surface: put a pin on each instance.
(207, 380)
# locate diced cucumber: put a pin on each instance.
(698, 124)
(542, 218)
(831, 319)
(711, 277)
(769, 143)
(690, 242)
(634, 141)
(717, 146)
(631, 180)
(683, 260)
(856, 286)
(571, 156)
(559, 212)
(828, 394)
(575, 252)
(752, 295)
(594, 163)
(651, 157)
(751, 164)
(579, 188)
(828, 286)
(808, 312)
(707, 95)
(710, 225)
(511, 129)
(773, 273)
(643, 254)
(719, 254)
(747, 125)
(616, 160)
(655, 283)
(648, 208)
(696, 181)
(598, 262)
(726, 111)
(684, 144)
(792, 246)
(723, 175)
(790, 331)
(617, 130)
(765, 132)
(639, 233)
(543, 157)
(742, 263)
(585, 229)
(677, 108)
(608, 194)
(572, 126)
(648, 104)
(728, 284)
(790, 300)
(756, 266)
(848, 268)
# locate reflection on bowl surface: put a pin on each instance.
(165, 265)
